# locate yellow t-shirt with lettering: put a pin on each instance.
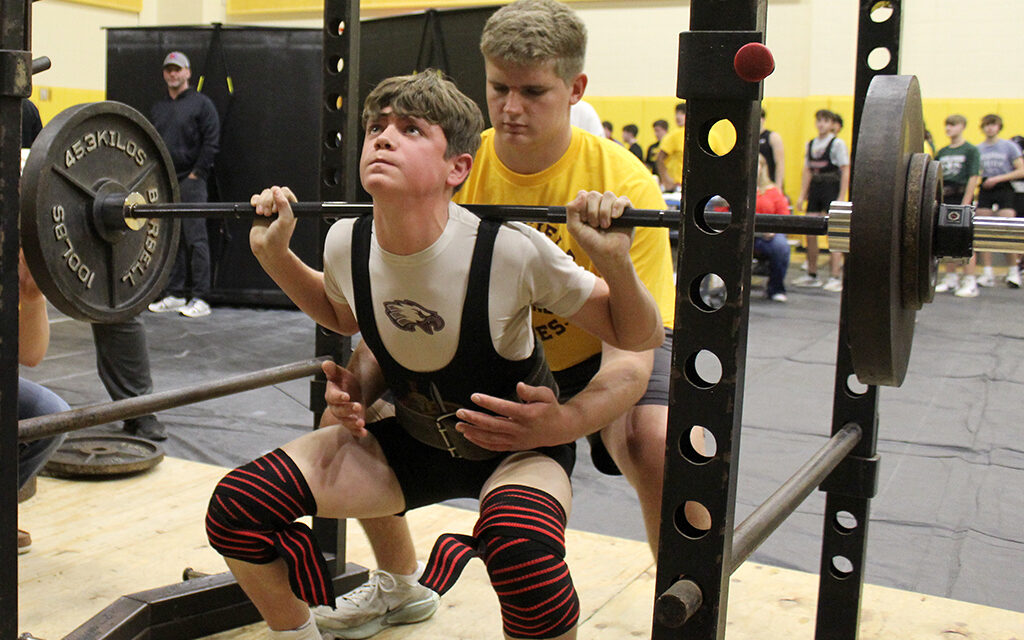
(589, 164)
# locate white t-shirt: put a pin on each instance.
(430, 286)
(839, 155)
(584, 116)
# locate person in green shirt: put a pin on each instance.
(961, 172)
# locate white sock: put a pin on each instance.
(414, 577)
(987, 271)
(307, 631)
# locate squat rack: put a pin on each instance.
(693, 565)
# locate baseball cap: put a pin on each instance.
(176, 58)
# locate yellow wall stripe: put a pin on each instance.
(284, 7)
(134, 6)
(53, 100)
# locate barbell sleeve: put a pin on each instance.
(987, 233)
(999, 235)
(670, 218)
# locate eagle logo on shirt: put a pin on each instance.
(407, 315)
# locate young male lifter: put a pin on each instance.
(443, 299)
(534, 51)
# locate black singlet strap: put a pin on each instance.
(475, 315)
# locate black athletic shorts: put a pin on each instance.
(1001, 196)
(572, 380)
(823, 190)
(428, 475)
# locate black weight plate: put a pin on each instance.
(97, 454)
(84, 270)
(881, 326)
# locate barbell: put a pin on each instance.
(99, 220)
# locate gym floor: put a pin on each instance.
(949, 516)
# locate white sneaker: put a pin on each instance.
(1013, 278)
(383, 601)
(949, 283)
(835, 285)
(987, 280)
(968, 288)
(196, 308)
(169, 303)
(779, 297)
(807, 280)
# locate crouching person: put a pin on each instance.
(443, 299)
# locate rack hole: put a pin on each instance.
(336, 27)
(692, 519)
(881, 11)
(332, 176)
(703, 369)
(844, 522)
(840, 567)
(707, 292)
(698, 445)
(879, 58)
(712, 208)
(855, 387)
(717, 137)
(333, 140)
(335, 64)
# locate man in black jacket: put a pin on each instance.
(188, 123)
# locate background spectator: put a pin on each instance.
(769, 145)
(670, 153)
(825, 177)
(629, 134)
(651, 158)
(1001, 165)
(583, 115)
(188, 123)
(961, 173)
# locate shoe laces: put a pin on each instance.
(378, 581)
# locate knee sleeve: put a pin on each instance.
(521, 537)
(252, 516)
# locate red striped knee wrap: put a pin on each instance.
(521, 537)
(252, 516)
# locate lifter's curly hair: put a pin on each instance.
(434, 98)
